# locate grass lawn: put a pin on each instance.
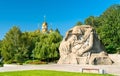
(47, 73)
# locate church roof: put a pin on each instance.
(44, 24)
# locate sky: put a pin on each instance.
(61, 14)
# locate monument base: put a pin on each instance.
(100, 60)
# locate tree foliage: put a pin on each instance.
(47, 47)
(0, 48)
(93, 21)
(107, 26)
(78, 23)
(11, 44)
(20, 46)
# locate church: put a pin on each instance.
(45, 27)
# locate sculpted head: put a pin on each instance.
(77, 30)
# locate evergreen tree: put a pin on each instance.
(10, 45)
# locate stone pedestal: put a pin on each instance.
(82, 60)
(100, 60)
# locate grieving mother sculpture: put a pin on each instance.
(82, 46)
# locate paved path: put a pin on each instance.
(111, 69)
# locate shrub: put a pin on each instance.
(35, 62)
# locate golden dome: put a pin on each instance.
(44, 24)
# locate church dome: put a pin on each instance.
(44, 24)
(44, 27)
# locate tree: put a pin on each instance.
(107, 26)
(0, 47)
(11, 43)
(17, 46)
(26, 45)
(110, 28)
(93, 21)
(57, 31)
(47, 47)
(78, 23)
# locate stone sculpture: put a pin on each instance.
(82, 46)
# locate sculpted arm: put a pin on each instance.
(88, 47)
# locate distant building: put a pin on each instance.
(44, 27)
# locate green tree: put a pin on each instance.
(78, 23)
(26, 46)
(34, 38)
(93, 21)
(47, 47)
(0, 47)
(11, 43)
(57, 31)
(107, 26)
(109, 29)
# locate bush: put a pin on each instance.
(35, 62)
